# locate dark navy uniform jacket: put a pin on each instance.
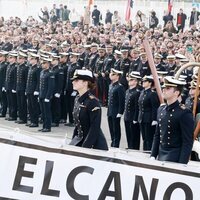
(92, 61)
(98, 69)
(134, 66)
(22, 73)
(81, 59)
(3, 68)
(70, 72)
(173, 139)
(11, 77)
(116, 100)
(59, 79)
(108, 63)
(47, 83)
(33, 79)
(131, 105)
(87, 119)
(124, 66)
(117, 64)
(148, 105)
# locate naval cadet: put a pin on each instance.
(32, 89)
(148, 105)
(108, 64)
(87, 113)
(59, 82)
(64, 57)
(98, 69)
(22, 73)
(116, 101)
(173, 139)
(125, 66)
(10, 86)
(3, 68)
(131, 111)
(47, 83)
(69, 92)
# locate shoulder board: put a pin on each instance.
(96, 108)
(137, 90)
(183, 106)
(92, 96)
(52, 76)
(61, 73)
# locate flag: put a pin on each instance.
(128, 9)
(170, 5)
(90, 2)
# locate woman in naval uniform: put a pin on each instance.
(87, 113)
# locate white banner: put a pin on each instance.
(34, 170)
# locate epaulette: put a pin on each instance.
(137, 90)
(96, 108)
(183, 106)
(92, 96)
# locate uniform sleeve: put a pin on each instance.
(155, 105)
(121, 97)
(156, 143)
(95, 123)
(156, 138)
(51, 85)
(187, 129)
(135, 117)
(38, 79)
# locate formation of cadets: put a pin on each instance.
(36, 85)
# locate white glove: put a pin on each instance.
(118, 115)
(73, 94)
(13, 91)
(135, 122)
(57, 95)
(152, 158)
(196, 147)
(154, 123)
(46, 100)
(3, 89)
(36, 93)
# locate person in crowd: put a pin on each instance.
(153, 20)
(140, 17)
(173, 139)
(180, 21)
(167, 17)
(148, 105)
(96, 16)
(32, 89)
(108, 18)
(3, 68)
(47, 84)
(116, 101)
(87, 113)
(194, 16)
(22, 73)
(131, 111)
(74, 17)
(66, 13)
(59, 82)
(69, 92)
(86, 17)
(45, 15)
(10, 86)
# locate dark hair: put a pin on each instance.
(91, 85)
(179, 89)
